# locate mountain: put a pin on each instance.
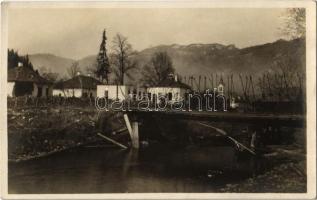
(204, 59)
(87, 61)
(51, 63)
(200, 59)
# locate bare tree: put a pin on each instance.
(158, 69)
(73, 70)
(294, 23)
(121, 58)
(284, 81)
(92, 69)
(48, 74)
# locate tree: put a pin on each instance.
(48, 74)
(91, 69)
(14, 59)
(294, 23)
(26, 62)
(73, 70)
(157, 69)
(121, 58)
(103, 67)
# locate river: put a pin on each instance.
(157, 168)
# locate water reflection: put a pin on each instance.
(158, 168)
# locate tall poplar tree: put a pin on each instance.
(103, 66)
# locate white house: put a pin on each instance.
(172, 89)
(25, 81)
(121, 92)
(113, 92)
(78, 86)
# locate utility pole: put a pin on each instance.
(212, 81)
(228, 92)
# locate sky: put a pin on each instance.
(76, 32)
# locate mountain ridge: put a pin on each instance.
(197, 59)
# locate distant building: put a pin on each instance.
(121, 92)
(220, 89)
(79, 86)
(24, 81)
(172, 89)
(112, 91)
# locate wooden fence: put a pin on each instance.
(25, 101)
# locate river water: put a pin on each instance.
(157, 168)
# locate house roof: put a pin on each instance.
(25, 74)
(78, 82)
(171, 83)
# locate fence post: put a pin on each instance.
(15, 102)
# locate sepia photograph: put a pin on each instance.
(158, 100)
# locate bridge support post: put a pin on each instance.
(133, 131)
(135, 135)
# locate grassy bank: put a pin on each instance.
(38, 132)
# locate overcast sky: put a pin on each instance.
(76, 32)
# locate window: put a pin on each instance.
(39, 93)
(170, 96)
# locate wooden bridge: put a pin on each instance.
(132, 119)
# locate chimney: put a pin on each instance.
(20, 64)
(176, 78)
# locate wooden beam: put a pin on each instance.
(231, 138)
(112, 141)
(133, 131)
(135, 138)
(120, 130)
(127, 123)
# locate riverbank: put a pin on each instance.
(287, 176)
(35, 133)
